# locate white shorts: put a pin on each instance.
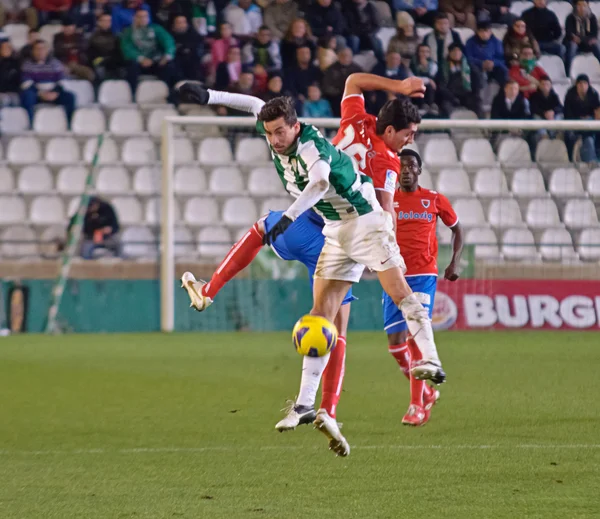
(351, 245)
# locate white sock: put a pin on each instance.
(312, 370)
(419, 326)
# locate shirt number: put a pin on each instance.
(357, 151)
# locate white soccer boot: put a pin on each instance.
(330, 428)
(296, 415)
(194, 290)
(428, 370)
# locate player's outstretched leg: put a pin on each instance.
(238, 258)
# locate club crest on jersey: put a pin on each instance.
(426, 203)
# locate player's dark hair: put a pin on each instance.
(398, 113)
(407, 152)
(279, 107)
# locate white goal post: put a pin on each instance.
(167, 257)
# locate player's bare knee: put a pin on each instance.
(397, 338)
(260, 225)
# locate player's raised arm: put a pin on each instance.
(193, 92)
(360, 82)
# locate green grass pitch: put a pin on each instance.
(182, 426)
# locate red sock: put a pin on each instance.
(237, 259)
(416, 386)
(402, 355)
(333, 376)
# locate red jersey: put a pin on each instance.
(417, 215)
(358, 139)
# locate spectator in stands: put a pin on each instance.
(544, 25)
(517, 37)
(228, 72)
(526, 72)
(458, 84)
(123, 15)
(263, 51)
(298, 35)
(484, 51)
(104, 50)
(494, 11)
(392, 69)
(100, 229)
(425, 68)
(10, 75)
(40, 77)
(244, 17)
(245, 84)
(261, 79)
(164, 12)
(148, 49)
(422, 11)
(279, 16)
(405, 41)
(299, 77)
(509, 103)
(441, 38)
(32, 36)
(189, 49)
(326, 19)
(16, 11)
(362, 24)
(86, 13)
(461, 13)
(69, 48)
(327, 52)
(220, 47)
(204, 17)
(545, 105)
(335, 77)
(51, 9)
(274, 87)
(582, 103)
(581, 33)
(315, 105)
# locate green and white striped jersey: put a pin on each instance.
(350, 194)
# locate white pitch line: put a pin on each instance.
(231, 448)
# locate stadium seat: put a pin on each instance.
(7, 180)
(562, 10)
(88, 121)
(465, 33)
(152, 91)
(490, 182)
(593, 183)
(201, 211)
(226, 181)
(239, 211)
(580, 213)
(542, 213)
(561, 90)
(275, 204)
(586, 64)
(114, 92)
(453, 182)
(126, 121)
(444, 234)
(514, 151)
(14, 120)
(34, 179)
(214, 242)
(46, 210)
(440, 152)
(108, 152)
(470, 212)
(190, 180)
(153, 211)
(464, 114)
(384, 13)
(62, 150)
(71, 180)
(551, 151)
(566, 182)
(588, 244)
(183, 151)
(528, 182)
(215, 150)
(425, 180)
(128, 209)
(519, 6)
(47, 33)
(477, 153)
(504, 212)
(555, 68)
(139, 242)
(50, 120)
(17, 33)
(146, 180)
(155, 120)
(112, 180)
(366, 60)
(385, 34)
(265, 181)
(18, 242)
(138, 151)
(518, 244)
(12, 210)
(185, 244)
(24, 150)
(485, 242)
(251, 150)
(557, 245)
(82, 89)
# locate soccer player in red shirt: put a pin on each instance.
(417, 212)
